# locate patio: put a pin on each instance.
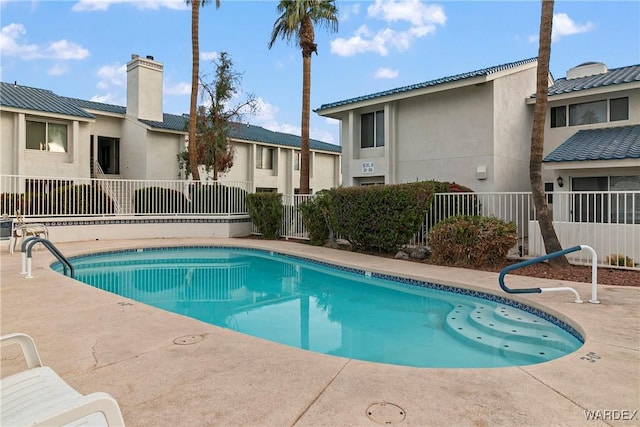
(103, 342)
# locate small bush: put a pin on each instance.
(381, 217)
(217, 199)
(471, 241)
(265, 210)
(153, 200)
(619, 260)
(316, 217)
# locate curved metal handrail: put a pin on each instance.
(26, 256)
(594, 274)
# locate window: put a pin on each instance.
(109, 154)
(559, 116)
(266, 190)
(548, 189)
(372, 129)
(588, 113)
(619, 109)
(46, 136)
(264, 157)
(622, 208)
(296, 161)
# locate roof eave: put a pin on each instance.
(47, 114)
(591, 164)
(334, 112)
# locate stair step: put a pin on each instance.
(478, 326)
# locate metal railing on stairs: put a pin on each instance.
(594, 275)
(27, 247)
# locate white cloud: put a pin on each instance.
(58, 70)
(64, 49)
(109, 98)
(386, 73)
(178, 89)
(112, 75)
(563, 25)
(102, 5)
(265, 112)
(414, 11)
(10, 45)
(422, 18)
(348, 10)
(209, 56)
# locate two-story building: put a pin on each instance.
(43, 134)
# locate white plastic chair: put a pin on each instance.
(38, 396)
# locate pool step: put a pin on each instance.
(520, 335)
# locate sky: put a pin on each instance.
(79, 48)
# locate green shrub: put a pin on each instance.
(82, 199)
(317, 217)
(381, 217)
(471, 240)
(265, 210)
(619, 260)
(152, 200)
(217, 199)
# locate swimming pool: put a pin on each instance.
(333, 310)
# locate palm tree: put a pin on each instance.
(551, 242)
(195, 79)
(296, 21)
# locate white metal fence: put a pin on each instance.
(609, 222)
(54, 196)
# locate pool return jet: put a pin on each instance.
(594, 275)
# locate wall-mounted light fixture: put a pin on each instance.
(560, 181)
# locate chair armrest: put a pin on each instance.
(28, 347)
(88, 405)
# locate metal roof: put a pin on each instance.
(30, 98)
(259, 134)
(430, 83)
(614, 76)
(43, 100)
(615, 143)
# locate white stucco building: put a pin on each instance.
(44, 134)
(475, 129)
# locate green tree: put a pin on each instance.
(551, 242)
(296, 23)
(215, 120)
(195, 78)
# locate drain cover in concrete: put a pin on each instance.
(187, 339)
(385, 413)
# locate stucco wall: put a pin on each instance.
(162, 151)
(8, 164)
(446, 136)
(133, 151)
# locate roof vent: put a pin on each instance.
(134, 56)
(150, 57)
(586, 69)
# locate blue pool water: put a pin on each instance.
(337, 311)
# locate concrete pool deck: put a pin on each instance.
(99, 341)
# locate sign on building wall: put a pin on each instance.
(367, 167)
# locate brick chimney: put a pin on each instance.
(144, 88)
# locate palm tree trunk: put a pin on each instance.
(551, 242)
(304, 132)
(195, 71)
